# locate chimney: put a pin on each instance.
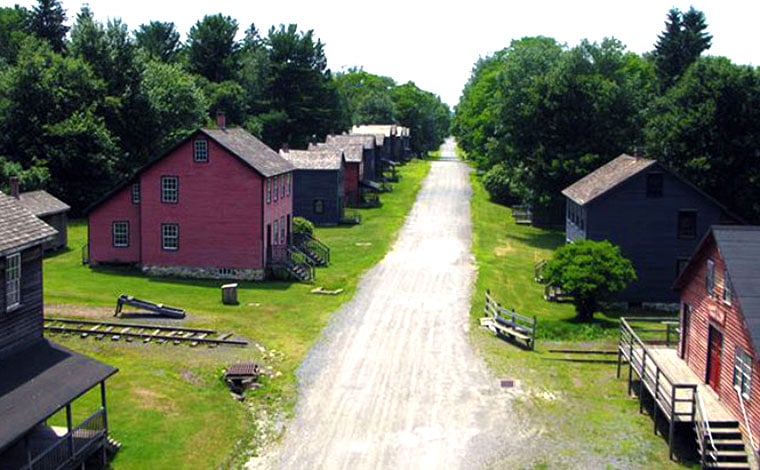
(285, 148)
(13, 183)
(221, 120)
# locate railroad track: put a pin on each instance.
(147, 333)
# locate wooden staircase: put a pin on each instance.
(317, 252)
(726, 448)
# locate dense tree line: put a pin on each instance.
(84, 105)
(537, 116)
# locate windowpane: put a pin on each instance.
(283, 239)
(743, 372)
(136, 193)
(710, 277)
(120, 234)
(269, 191)
(169, 189)
(319, 206)
(726, 288)
(276, 232)
(12, 281)
(289, 183)
(687, 224)
(170, 237)
(276, 188)
(200, 151)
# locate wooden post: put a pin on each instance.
(630, 366)
(535, 328)
(68, 428)
(667, 334)
(656, 390)
(671, 429)
(103, 405)
(642, 379)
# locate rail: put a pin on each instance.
(509, 323)
(538, 271)
(312, 246)
(746, 420)
(75, 446)
(704, 434)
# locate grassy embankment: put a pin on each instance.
(168, 405)
(582, 409)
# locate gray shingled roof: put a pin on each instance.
(605, 178)
(20, 228)
(386, 130)
(42, 203)
(739, 247)
(352, 152)
(323, 159)
(251, 150)
(367, 141)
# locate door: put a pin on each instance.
(715, 345)
(685, 324)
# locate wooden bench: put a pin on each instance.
(508, 323)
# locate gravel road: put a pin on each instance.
(394, 382)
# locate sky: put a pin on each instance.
(436, 44)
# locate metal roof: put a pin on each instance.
(19, 227)
(40, 380)
(322, 159)
(605, 178)
(42, 203)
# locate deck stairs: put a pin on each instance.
(726, 449)
(298, 265)
(314, 250)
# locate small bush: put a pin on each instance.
(302, 225)
(498, 182)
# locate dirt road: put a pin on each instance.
(393, 382)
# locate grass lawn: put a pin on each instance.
(581, 411)
(168, 405)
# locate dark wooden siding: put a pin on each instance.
(23, 325)
(727, 318)
(58, 222)
(310, 185)
(646, 231)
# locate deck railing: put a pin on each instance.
(704, 434)
(74, 447)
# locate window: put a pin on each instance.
(276, 232)
(319, 206)
(170, 237)
(687, 224)
(169, 189)
(710, 277)
(654, 184)
(12, 281)
(200, 151)
(288, 183)
(282, 182)
(269, 191)
(726, 288)
(283, 240)
(120, 234)
(276, 188)
(742, 372)
(136, 193)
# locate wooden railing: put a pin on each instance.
(312, 246)
(510, 323)
(538, 271)
(704, 434)
(75, 446)
(522, 214)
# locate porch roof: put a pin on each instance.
(40, 380)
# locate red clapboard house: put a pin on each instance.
(217, 205)
(720, 321)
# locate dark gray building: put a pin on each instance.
(654, 216)
(52, 211)
(318, 188)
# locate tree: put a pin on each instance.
(683, 41)
(158, 40)
(589, 271)
(426, 116)
(212, 49)
(368, 96)
(14, 26)
(47, 23)
(707, 128)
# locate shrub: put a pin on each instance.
(498, 182)
(302, 225)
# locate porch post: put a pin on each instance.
(643, 379)
(103, 405)
(68, 429)
(28, 450)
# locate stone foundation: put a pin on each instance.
(237, 274)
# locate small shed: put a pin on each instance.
(47, 207)
(318, 187)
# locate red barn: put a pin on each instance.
(720, 320)
(217, 205)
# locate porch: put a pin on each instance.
(679, 395)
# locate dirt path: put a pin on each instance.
(394, 382)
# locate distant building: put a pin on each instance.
(217, 205)
(47, 207)
(653, 215)
(318, 184)
(39, 378)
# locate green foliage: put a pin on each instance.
(14, 27)
(368, 96)
(302, 225)
(30, 179)
(159, 41)
(682, 42)
(212, 49)
(590, 271)
(426, 116)
(498, 183)
(47, 23)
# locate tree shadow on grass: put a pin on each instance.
(544, 239)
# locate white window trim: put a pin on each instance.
(165, 236)
(135, 193)
(742, 371)
(12, 281)
(200, 151)
(120, 223)
(170, 187)
(710, 277)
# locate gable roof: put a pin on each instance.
(352, 152)
(42, 203)
(739, 246)
(322, 159)
(240, 143)
(19, 228)
(606, 177)
(386, 130)
(366, 140)
(250, 150)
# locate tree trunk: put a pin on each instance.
(584, 309)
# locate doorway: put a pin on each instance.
(714, 348)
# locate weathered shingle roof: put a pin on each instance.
(385, 129)
(352, 152)
(605, 178)
(20, 228)
(42, 203)
(367, 141)
(251, 150)
(322, 159)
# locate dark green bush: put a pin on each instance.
(302, 225)
(498, 182)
